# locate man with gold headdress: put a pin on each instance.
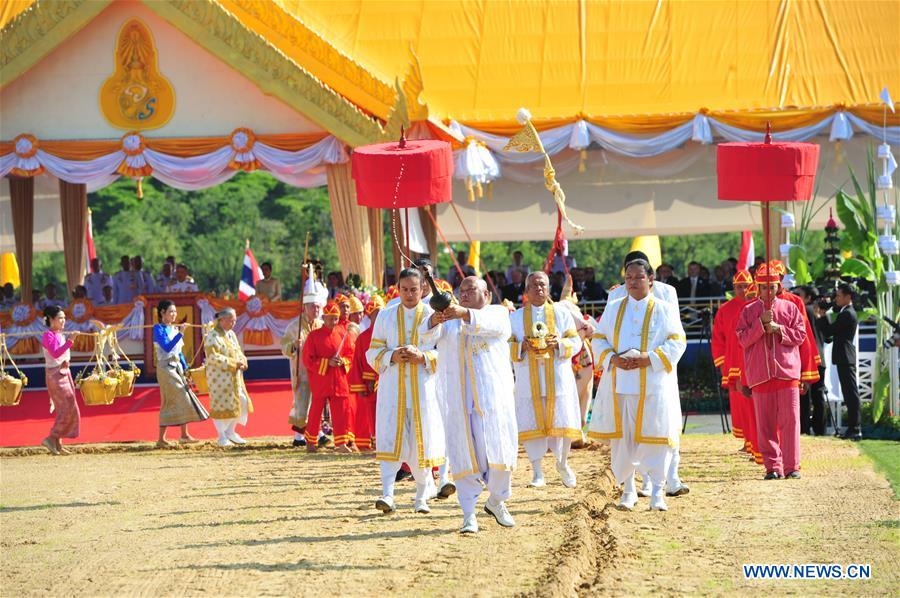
(543, 341)
(638, 343)
(314, 298)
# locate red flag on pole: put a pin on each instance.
(89, 237)
(748, 252)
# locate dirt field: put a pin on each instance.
(271, 521)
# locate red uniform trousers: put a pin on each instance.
(777, 408)
(364, 420)
(747, 417)
(340, 418)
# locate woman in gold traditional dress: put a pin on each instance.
(225, 366)
(179, 405)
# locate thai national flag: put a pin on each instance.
(748, 252)
(249, 276)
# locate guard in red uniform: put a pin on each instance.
(363, 381)
(729, 357)
(810, 360)
(771, 332)
(326, 356)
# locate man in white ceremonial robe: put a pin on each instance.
(542, 344)
(662, 292)
(408, 424)
(445, 486)
(638, 343)
(475, 385)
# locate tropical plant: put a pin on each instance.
(858, 215)
(803, 244)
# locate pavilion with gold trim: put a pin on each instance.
(629, 99)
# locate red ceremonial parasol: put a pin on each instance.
(768, 171)
(405, 174)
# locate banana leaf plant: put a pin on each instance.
(857, 212)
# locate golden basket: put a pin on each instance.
(126, 379)
(198, 377)
(10, 390)
(99, 390)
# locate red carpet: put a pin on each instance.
(136, 417)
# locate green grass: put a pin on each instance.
(886, 455)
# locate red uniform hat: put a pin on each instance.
(392, 293)
(342, 299)
(777, 267)
(331, 309)
(443, 285)
(376, 303)
(766, 274)
(742, 277)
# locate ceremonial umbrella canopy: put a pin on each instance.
(405, 174)
(768, 171)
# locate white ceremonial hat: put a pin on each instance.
(315, 292)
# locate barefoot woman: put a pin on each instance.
(179, 405)
(59, 380)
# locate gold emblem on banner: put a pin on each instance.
(136, 97)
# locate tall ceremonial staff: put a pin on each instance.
(529, 141)
(311, 275)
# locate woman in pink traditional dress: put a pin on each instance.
(59, 380)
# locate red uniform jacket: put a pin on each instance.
(362, 376)
(726, 350)
(809, 353)
(771, 356)
(320, 346)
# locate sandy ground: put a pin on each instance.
(272, 521)
(258, 522)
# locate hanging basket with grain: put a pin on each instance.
(10, 386)
(125, 377)
(99, 387)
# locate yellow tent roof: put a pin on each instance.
(482, 59)
(641, 65)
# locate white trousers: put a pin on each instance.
(226, 427)
(408, 455)
(498, 482)
(538, 447)
(629, 456)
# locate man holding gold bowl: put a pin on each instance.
(542, 344)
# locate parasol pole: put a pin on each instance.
(310, 273)
(406, 217)
(766, 216)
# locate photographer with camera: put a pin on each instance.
(841, 332)
(812, 402)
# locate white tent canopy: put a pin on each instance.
(47, 218)
(671, 194)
